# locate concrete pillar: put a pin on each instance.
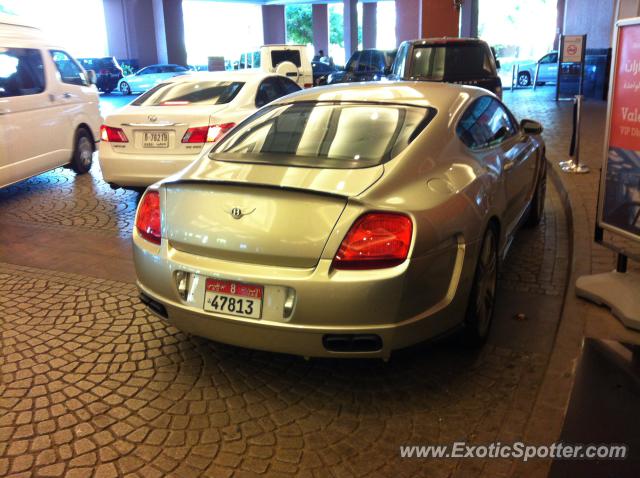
(407, 20)
(320, 19)
(131, 33)
(469, 19)
(350, 27)
(369, 24)
(440, 18)
(273, 24)
(593, 17)
(426, 19)
(169, 25)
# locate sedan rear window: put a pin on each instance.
(451, 62)
(190, 93)
(324, 135)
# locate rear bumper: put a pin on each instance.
(137, 170)
(365, 309)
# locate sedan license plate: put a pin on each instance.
(233, 298)
(155, 139)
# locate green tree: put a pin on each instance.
(299, 24)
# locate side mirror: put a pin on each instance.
(91, 77)
(531, 127)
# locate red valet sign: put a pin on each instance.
(620, 187)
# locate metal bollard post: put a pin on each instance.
(573, 164)
(535, 78)
(513, 74)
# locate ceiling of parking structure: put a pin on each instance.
(289, 2)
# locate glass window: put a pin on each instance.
(324, 135)
(451, 62)
(70, 71)
(256, 60)
(21, 72)
(190, 93)
(287, 86)
(268, 91)
(279, 56)
(149, 70)
(400, 60)
(486, 123)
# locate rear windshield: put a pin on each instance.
(96, 63)
(324, 135)
(458, 61)
(278, 56)
(190, 93)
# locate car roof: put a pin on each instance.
(413, 93)
(246, 76)
(446, 40)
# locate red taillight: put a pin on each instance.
(207, 134)
(148, 221)
(308, 85)
(112, 135)
(375, 241)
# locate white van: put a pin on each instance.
(49, 114)
(291, 61)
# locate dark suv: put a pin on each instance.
(365, 65)
(467, 61)
(108, 71)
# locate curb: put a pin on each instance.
(553, 396)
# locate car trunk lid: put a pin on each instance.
(254, 214)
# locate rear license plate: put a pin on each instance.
(233, 298)
(155, 139)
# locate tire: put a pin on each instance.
(125, 89)
(536, 207)
(483, 292)
(107, 91)
(82, 158)
(524, 79)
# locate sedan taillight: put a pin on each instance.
(112, 135)
(148, 222)
(207, 134)
(375, 241)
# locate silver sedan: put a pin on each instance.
(344, 221)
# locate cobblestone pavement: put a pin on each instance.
(92, 382)
(92, 385)
(61, 199)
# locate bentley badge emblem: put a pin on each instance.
(238, 213)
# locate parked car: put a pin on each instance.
(166, 128)
(344, 221)
(365, 65)
(288, 60)
(321, 71)
(49, 113)
(107, 69)
(466, 61)
(548, 72)
(148, 77)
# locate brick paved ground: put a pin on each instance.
(92, 385)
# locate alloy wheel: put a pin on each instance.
(487, 276)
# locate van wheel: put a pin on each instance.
(125, 89)
(483, 292)
(83, 152)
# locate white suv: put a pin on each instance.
(49, 115)
(291, 61)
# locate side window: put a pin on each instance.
(354, 61)
(268, 91)
(256, 59)
(365, 61)
(400, 60)
(70, 71)
(486, 123)
(288, 86)
(21, 72)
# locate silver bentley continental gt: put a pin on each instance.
(345, 221)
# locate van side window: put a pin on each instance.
(21, 72)
(69, 70)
